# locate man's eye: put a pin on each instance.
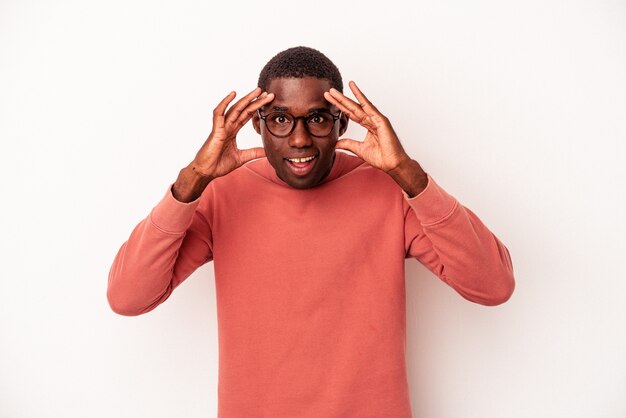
(280, 119)
(316, 119)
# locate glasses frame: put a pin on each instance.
(295, 122)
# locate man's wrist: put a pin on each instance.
(410, 176)
(189, 185)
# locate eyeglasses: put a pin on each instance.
(282, 124)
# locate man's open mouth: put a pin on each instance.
(301, 166)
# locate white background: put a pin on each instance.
(517, 109)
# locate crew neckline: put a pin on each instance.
(343, 164)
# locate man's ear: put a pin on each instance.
(343, 123)
(256, 122)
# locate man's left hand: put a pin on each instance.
(381, 147)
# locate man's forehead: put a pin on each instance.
(276, 108)
(308, 88)
(291, 81)
(298, 95)
(303, 94)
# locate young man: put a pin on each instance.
(308, 246)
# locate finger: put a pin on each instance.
(233, 113)
(349, 107)
(218, 112)
(350, 145)
(376, 118)
(368, 107)
(250, 110)
(246, 155)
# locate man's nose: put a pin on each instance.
(300, 137)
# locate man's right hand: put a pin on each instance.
(219, 155)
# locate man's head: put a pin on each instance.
(299, 122)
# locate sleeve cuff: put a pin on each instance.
(172, 216)
(433, 204)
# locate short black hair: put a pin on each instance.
(300, 62)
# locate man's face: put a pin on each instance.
(300, 97)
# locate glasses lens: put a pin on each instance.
(320, 124)
(279, 123)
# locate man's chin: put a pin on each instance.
(303, 183)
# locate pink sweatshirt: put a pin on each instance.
(310, 283)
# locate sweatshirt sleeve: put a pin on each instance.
(453, 243)
(162, 251)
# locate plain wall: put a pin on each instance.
(517, 109)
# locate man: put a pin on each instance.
(308, 245)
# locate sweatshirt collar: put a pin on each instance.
(343, 164)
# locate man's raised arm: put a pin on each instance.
(453, 243)
(175, 238)
(444, 235)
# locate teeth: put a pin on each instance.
(300, 160)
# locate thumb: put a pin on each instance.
(246, 155)
(350, 145)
